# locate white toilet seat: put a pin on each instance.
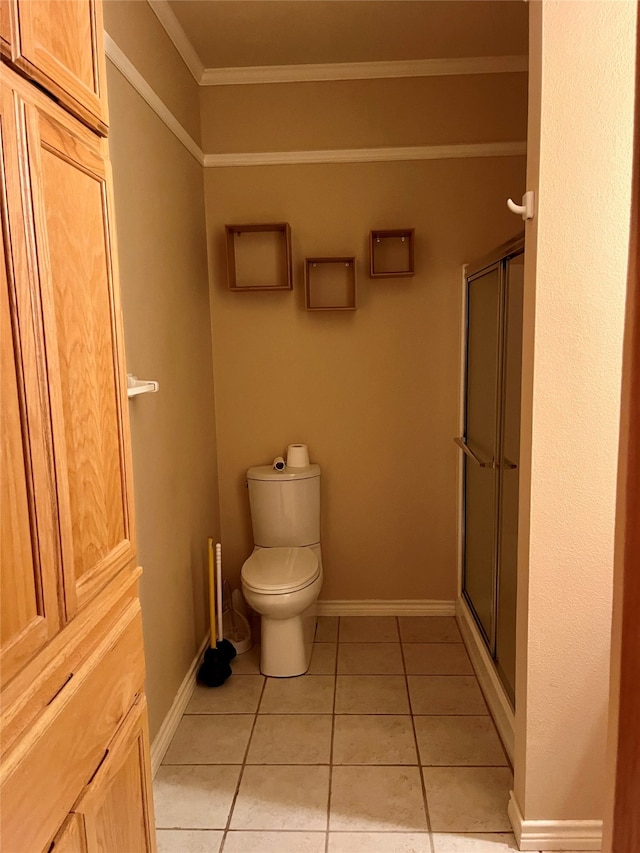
(275, 571)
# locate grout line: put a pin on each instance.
(333, 731)
(320, 764)
(242, 768)
(415, 740)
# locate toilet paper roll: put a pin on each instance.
(279, 463)
(297, 456)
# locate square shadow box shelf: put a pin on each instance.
(259, 257)
(330, 284)
(391, 253)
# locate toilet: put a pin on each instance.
(282, 578)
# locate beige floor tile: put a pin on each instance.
(459, 741)
(238, 695)
(210, 739)
(323, 659)
(273, 797)
(247, 663)
(370, 659)
(189, 840)
(371, 694)
(379, 842)
(368, 629)
(468, 799)
(291, 739)
(327, 629)
(436, 659)
(479, 842)
(371, 799)
(239, 841)
(373, 739)
(446, 694)
(429, 629)
(307, 694)
(194, 797)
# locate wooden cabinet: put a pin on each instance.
(116, 807)
(74, 753)
(58, 217)
(59, 45)
(5, 29)
(67, 742)
(72, 837)
(115, 812)
(30, 612)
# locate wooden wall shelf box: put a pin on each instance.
(259, 257)
(330, 284)
(391, 253)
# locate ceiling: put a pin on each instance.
(240, 33)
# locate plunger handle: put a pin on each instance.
(219, 589)
(212, 597)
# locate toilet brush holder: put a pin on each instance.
(235, 624)
(239, 633)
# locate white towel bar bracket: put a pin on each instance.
(136, 386)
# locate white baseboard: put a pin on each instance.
(380, 607)
(490, 683)
(554, 834)
(170, 723)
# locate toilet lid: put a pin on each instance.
(280, 569)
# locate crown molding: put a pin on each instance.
(363, 70)
(135, 78)
(367, 155)
(287, 158)
(173, 29)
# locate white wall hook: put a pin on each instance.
(527, 209)
(137, 386)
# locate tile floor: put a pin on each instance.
(384, 746)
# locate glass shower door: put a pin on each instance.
(491, 444)
(479, 444)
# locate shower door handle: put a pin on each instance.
(462, 444)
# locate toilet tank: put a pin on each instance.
(285, 506)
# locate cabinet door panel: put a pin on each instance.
(45, 773)
(74, 222)
(71, 838)
(82, 330)
(28, 546)
(59, 44)
(5, 28)
(117, 807)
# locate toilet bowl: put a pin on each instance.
(282, 578)
(282, 584)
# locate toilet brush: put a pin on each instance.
(215, 668)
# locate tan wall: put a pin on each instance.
(580, 142)
(363, 113)
(138, 33)
(163, 263)
(373, 392)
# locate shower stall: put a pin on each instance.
(491, 445)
